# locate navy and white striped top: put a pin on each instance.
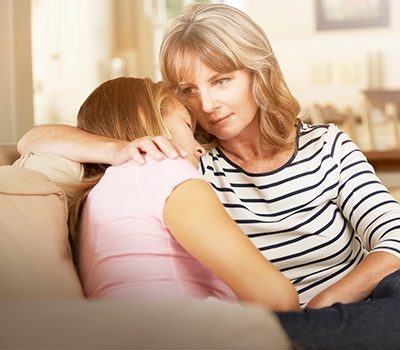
(317, 216)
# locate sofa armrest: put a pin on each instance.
(35, 258)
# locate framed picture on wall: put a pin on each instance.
(344, 14)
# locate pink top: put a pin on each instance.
(126, 250)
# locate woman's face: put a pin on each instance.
(179, 123)
(223, 104)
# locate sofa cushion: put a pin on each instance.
(105, 324)
(8, 153)
(60, 170)
(35, 259)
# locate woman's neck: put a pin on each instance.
(244, 149)
(254, 154)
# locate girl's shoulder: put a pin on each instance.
(149, 184)
(154, 167)
(151, 175)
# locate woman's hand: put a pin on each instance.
(323, 299)
(157, 147)
(359, 283)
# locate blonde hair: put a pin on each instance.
(226, 39)
(125, 109)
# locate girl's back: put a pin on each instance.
(126, 250)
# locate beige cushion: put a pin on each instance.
(102, 324)
(35, 259)
(8, 153)
(60, 170)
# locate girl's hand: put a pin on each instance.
(158, 147)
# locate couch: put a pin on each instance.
(42, 304)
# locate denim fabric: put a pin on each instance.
(372, 324)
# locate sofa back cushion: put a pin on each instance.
(8, 153)
(35, 258)
(62, 171)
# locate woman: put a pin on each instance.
(305, 195)
(276, 175)
(144, 231)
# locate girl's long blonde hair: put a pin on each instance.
(122, 108)
(226, 39)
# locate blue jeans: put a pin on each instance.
(373, 324)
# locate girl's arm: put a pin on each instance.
(198, 221)
(84, 147)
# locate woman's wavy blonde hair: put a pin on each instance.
(226, 39)
(125, 109)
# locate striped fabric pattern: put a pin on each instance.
(318, 215)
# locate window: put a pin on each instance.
(170, 9)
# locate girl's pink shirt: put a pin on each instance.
(126, 250)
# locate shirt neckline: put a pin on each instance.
(283, 166)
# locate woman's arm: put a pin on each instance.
(81, 146)
(375, 216)
(198, 221)
(359, 283)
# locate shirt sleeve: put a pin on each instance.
(157, 179)
(365, 202)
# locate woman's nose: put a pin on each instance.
(207, 102)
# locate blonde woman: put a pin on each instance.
(304, 194)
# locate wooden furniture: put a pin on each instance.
(379, 97)
(384, 160)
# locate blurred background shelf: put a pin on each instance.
(384, 160)
(387, 168)
(380, 97)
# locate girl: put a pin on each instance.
(158, 231)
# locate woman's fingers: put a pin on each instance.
(169, 147)
(157, 147)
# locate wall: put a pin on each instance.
(16, 106)
(331, 65)
(134, 30)
(74, 51)
(72, 47)
(79, 44)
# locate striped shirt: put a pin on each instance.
(315, 217)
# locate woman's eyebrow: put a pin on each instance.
(184, 82)
(215, 76)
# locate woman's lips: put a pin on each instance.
(221, 119)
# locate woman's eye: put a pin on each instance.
(222, 82)
(187, 91)
(189, 125)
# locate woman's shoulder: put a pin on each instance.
(317, 129)
(318, 140)
(324, 133)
